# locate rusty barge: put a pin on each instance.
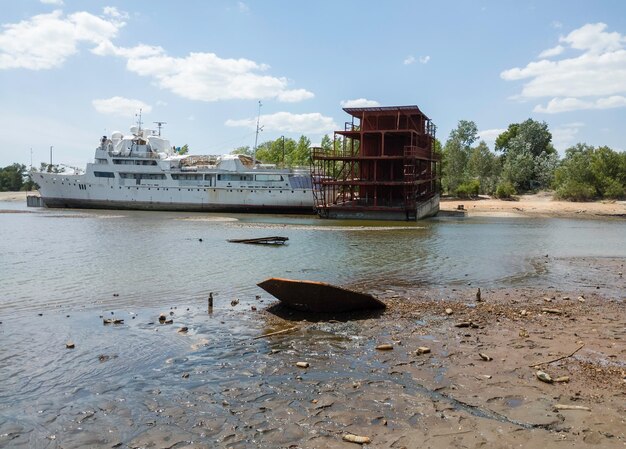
(382, 165)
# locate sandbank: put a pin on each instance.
(535, 205)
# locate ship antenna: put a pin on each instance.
(159, 125)
(139, 122)
(256, 138)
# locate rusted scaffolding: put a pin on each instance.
(382, 165)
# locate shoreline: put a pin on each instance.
(17, 196)
(539, 205)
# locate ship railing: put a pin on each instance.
(135, 154)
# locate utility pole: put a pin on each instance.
(51, 157)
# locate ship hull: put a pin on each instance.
(76, 203)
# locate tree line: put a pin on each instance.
(524, 160)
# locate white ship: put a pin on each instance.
(141, 171)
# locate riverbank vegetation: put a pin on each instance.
(524, 161)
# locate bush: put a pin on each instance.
(576, 191)
(614, 190)
(468, 189)
(505, 190)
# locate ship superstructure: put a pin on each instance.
(140, 170)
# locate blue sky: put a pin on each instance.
(71, 71)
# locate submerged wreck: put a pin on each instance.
(274, 240)
(319, 297)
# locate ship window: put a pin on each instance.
(186, 177)
(268, 177)
(103, 174)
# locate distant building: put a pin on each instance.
(382, 166)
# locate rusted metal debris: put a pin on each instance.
(274, 240)
(319, 297)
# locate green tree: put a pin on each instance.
(301, 155)
(587, 173)
(327, 143)
(184, 149)
(484, 166)
(456, 153)
(529, 157)
(12, 177)
(246, 151)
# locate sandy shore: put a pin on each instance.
(16, 196)
(535, 205)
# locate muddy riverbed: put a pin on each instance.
(143, 383)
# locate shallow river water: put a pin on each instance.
(63, 271)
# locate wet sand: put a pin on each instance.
(536, 205)
(450, 396)
(17, 196)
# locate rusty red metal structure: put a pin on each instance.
(381, 166)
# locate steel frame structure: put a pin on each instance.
(381, 162)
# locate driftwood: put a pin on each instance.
(284, 331)
(547, 362)
(571, 407)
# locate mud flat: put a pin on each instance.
(454, 371)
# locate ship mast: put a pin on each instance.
(256, 138)
(160, 125)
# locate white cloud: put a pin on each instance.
(313, 123)
(595, 79)
(554, 51)
(564, 136)
(592, 37)
(120, 106)
(115, 13)
(52, 2)
(295, 95)
(557, 105)
(556, 24)
(45, 41)
(490, 135)
(205, 76)
(409, 60)
(424, 59)
(359, 103)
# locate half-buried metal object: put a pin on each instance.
(318, 297)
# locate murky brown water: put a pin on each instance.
(127, 383)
